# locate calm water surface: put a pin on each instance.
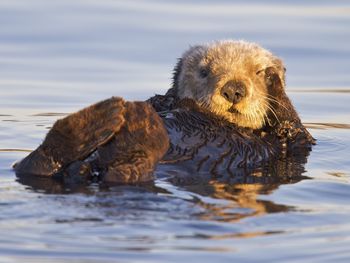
(58, 56)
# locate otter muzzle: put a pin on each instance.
(233, 91)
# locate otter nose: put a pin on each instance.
(233, 91)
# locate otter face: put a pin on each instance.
(230, 79)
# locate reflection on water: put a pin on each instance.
(57, 57)
(240, 190)
(243, 197)
(216, 201)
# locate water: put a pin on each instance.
(58, 56)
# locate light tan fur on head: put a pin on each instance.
(205, 69)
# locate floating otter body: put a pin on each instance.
(227, 110)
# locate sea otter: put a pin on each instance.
(227, 110)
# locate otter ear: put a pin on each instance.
(190, 57)
(190, 53)
(176, 73)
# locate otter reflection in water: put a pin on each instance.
(226, 112)
(243, 190)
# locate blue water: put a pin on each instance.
(59, 56)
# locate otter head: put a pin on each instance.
(231, 79)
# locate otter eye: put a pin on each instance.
(259, 71)
(203, 73)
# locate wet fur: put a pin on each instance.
(204, 142)
(75, 137)
(108, 136)
(131, 156)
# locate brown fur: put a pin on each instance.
(134, 152)
(77, 135)
(135, 134)
(74, 137)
